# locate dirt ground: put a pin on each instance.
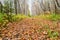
(30, 29)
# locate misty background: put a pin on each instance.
(33, 7)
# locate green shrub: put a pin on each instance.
(53, 17)
(19, 17)
(12, 17)
(9, 17)
(3, 21)
(52, 34)
(1, 17)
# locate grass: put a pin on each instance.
(13, 17)
(19, 17)
(52, 34)
(52, 17)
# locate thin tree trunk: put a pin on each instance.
(18, 6)
(1, 7)
(15, 5)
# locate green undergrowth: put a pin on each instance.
(53, 34)
(19, 17)
(6, 18)
(52, 17)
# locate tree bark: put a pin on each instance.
(15, 5)
(1, 7)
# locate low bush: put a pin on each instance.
(19, 17)
(3, 21)
(52, 34)
(53, 17)
(5, 18)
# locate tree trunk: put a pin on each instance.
(15, 5)
(1, 7)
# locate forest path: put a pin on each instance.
(30, 28)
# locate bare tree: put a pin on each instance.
(24, 6)
(18, 6)
(43, 6)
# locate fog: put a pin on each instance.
(36, 7)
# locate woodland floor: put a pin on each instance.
(31, 29)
